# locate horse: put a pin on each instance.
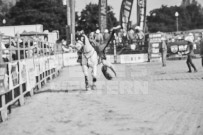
(92, 56)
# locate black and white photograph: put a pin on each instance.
(101, 67)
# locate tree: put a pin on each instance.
(50, 13)
(163, 19)
(89, 19)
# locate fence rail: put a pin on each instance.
(25, 66)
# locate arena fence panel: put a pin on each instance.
(25, 66)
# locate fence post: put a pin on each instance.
(10, 50)
(115, 55)
(21, 99)
(1, 52)
(4, 113)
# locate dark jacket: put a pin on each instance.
(190, 48)
(201, 47)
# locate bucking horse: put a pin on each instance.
(92, 56)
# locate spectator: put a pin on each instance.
(190, 52)
(163, 51)
(106, 36)
(139, 35)
(99, 37)
(131, 35)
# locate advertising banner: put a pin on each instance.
(52, 62)
(154, 45)
(134, 58)
(37, 66)
(46, 62)
(22, 71)
(177, 48)
(3, 79)
(13, 75)
(31, 80)
(42, 64)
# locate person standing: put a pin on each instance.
(163, 51)
(190, 52)
(99, 37)
(106, 35)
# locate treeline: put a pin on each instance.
(52, 15)
(164, 19)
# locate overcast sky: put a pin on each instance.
(116, 4)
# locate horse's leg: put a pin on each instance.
(85, 71)
(94, 76)
(94, 70)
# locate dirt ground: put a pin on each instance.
(144, 99)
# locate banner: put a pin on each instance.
(22, 71)
(31, 80)
(125, 13)
(46, 62)
(37, 66)
(70, 59)
(42, 64)
(154, 45)
(141, 13)
(52, 62)
(13, 75)
(177, 48)
(3, 79)
(133, 58)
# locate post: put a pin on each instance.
(68, 37)
(72, 10)
(177, 23)
(102, 15)
(115, 56)
(1, 52)
(176, 15)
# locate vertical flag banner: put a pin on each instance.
(31, 80)
(125, 13)
(141, 13)
(103, 15)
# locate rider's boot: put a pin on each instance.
(87, 86)
(94, 84)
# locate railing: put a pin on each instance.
(25, 66)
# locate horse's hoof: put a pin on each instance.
(94, 87)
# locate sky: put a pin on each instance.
(116, 4)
